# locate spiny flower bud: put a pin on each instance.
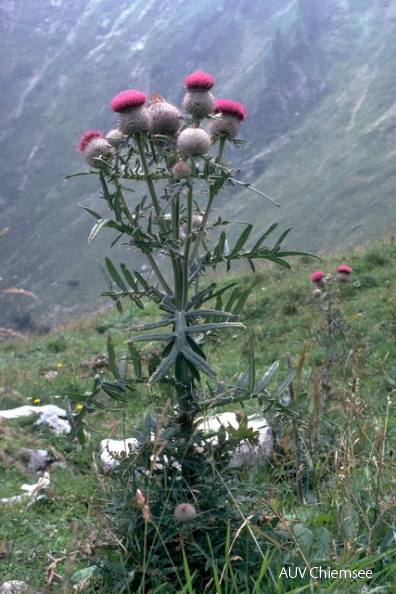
(93, 146)
(230, 116)
(181, 170)
(132, 116)
(199, 101)
(185, 512)
(115, 137)
(165, 118)
(194, 141)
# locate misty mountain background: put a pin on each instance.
(318, 79)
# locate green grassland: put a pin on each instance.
(347, 468)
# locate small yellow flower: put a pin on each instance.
(59, 365)
(79, 406)
(36, 401)
(356, 316)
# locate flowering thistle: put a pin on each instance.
(344, 272)
(317, 277)
(93, 146)
(165, 118)
(228, 122)
(344, 269)
(185, 512)
(199, 101)
(194, 142)
(132, 116)
(181, 170)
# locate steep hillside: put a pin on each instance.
(316, 77)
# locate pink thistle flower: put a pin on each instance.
(344, 269)
(199, 101)
(228, 122)
(128, 100)
(86, 139)
(93, 146)
(317, 276)
(234, 108)
(132, 116)
(199, 80)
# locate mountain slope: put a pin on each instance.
(316, 77)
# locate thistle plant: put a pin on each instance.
(326, 295)
(161, 173)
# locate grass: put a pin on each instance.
(346, 517)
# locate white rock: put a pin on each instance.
(112, 449)
(32, 492)
(247, 453)
(16, 587)
(51, 415)
(38, 459)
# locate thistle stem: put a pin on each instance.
(212, 194)
(159, 274)
(147, 174)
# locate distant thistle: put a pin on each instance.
(199, 101)
(185, 512)
(317, 277)
(344, 273)
(132, 116)
(230, 115)
(194, 142)
(93, 146)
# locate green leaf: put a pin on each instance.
(164, 366)
(198, 362)
(83, 574)
(128, 277)
(283, 385)
(267, 377)
(115, 275)
(92, 212)
(96, 228)
(263, 237)
(241, 241)
(112, 357)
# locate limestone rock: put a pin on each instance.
(49, 414)
(112, 451)
(248, 453)
(16, 587)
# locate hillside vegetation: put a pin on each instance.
(327, 498)
(315, 76)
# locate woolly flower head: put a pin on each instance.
(86, 139)
(229, 107)
(129, 99)
(194, 142)
(199, 80)
(185, 512)
(229, 118)
(165, 118)
(199, 101)
(317, 276)
(115, 137)
(132, 117)
(93, 146)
